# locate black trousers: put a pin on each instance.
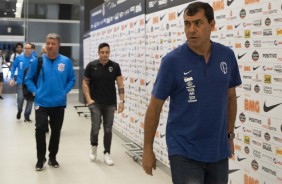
(56, 118)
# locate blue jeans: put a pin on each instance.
(188, 171)
(20, 101)
(97, 112)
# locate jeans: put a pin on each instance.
(187, 171)
(56, 116)
(20, 101)
(97, 112)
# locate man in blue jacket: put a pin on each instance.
(21, 62)
(54, 81)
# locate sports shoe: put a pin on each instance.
(93, 153)
(53, 163)
(27, 120)
(108, 160)
(40, 165)
(19, 115)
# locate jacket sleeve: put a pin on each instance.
(14, 66)
(28, 80)
(70, 78)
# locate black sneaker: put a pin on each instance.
(53, 163)
(19, 115)
(27, 120)
(40, 165)
(1, 98)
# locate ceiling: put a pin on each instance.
(8, 7)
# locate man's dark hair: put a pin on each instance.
(102, 45)
(19, 44)
(195, 7)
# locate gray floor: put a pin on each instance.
(18, 154)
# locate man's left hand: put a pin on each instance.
(120, 107)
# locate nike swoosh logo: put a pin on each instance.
(232, 170)
(237, 96)
(229, 2)
(237, 25)
(162, 17)
(185, 73)
(221, 27)
(254, 68)
(269, 108)
(179, 13)
(162, 135)
(136, 80)
(147, 83)
(147, 20)
(236, 127)
(240, 159)
(240, 56)
(161, 124)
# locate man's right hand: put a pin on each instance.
(149, 161)
(12, 82)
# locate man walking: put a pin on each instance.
(55, 80)
(100, 93)
(21, 63)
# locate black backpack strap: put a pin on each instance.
(39, 67)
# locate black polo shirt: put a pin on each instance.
(102, 81)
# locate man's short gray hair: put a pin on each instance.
(54, 36)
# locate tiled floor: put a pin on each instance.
(18, 153)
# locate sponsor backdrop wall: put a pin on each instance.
(141, 32)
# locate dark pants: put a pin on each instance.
(187, 171)
(97, 112)
(56, 116)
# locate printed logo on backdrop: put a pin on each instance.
(250, 180)
(268, 170)
(267, 147)
(242, 117)
(257, 88)
(267, 21)
(254, 165)
(252, 105)
(267, 136)
(243, 13)
(247, 150)
(255, 56)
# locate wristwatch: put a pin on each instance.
(231, 136)
(122, 101)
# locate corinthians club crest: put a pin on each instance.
(61, 67)
(110, 69)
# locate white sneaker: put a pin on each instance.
(93, 153)
(108, 160)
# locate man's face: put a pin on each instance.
(52, 46)
(104, 53)
(27, 50)
(198, 29)
(19, 49)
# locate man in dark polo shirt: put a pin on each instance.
(100, 92)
